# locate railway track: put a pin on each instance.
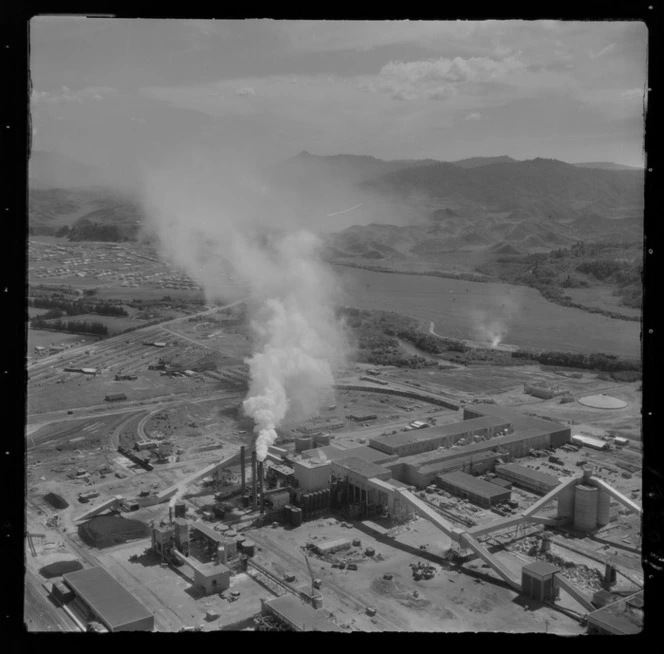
(356, 604)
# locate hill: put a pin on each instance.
(55, 170)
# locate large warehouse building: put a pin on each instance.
(425, 440)
(476, 490)
(100, 597)
(532, 480)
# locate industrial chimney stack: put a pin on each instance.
(254, 479)
(260, 480)
(242, 470)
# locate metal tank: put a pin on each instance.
(585, 507)
(603, 507)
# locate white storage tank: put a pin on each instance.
(566, 504)
(603, 508)
(585, 507)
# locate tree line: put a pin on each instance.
(76, 307)
(77, 327)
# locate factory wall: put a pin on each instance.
(476, 495)
(526, 478)
(310, 477)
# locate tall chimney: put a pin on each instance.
(254, 478)
(170, 514)
(242, 471)
(260, 480)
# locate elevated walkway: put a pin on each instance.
(427, 512)
(203, 472)
(573, 592)
(616, 495)
(491, 560)
(113, 503)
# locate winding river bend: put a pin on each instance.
(480, 311)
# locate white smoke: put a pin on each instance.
(217, 221)
(492, 321)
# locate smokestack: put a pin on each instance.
(170, 514)
(254, 478)
(260, 479)
(242, 471)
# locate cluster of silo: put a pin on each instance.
(586, 506)
(315, 503)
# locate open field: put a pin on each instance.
(457, 308)
(601, 297)
(44, 338)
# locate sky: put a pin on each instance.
(115, 93)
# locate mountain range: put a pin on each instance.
(400, 208)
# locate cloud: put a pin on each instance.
(474, 116)
(247, 90)
(439, 79)
(65, 94)
(602, 52)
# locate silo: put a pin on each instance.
(304, 443)
(585, 507)
(322, 440)
(566, 504)
(603, 506)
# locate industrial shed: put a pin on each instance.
(100, 596)
(425, 440)
(476, 490)
(534, 480)
(297, 615)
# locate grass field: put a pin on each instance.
(45, 338)
(468, 310)
(600, 297)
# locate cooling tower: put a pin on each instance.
(585, 507)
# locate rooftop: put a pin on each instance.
(472, 484)
(301, 615)
(519, 420)
(540, 568)
(621, 617)
(441, 431)
(209, 533)
(112, 602)
(535, 475)
(362, 467)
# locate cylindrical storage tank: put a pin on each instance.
(585, 507)
(566, 504)
(315, 500)
(245, 500)
(240, 542)
(322, 440)
(304, 443)
(304, 500)
(180, 509)
(326, 498)
(248, 547)
(603, 506)
(296, 517)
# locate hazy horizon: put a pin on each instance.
(120, 94)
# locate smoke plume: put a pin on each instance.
(492, 320)
(239, 239)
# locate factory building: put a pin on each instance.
(476, 490)
(557, 434)
(334, 453)
(537, 581)
(311, 474)
(100, 597)
(589, 441)
(354, 486)
(532, 480)
(296, 614)
(425, 440)
(421, 470)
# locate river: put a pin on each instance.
(480, 311)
